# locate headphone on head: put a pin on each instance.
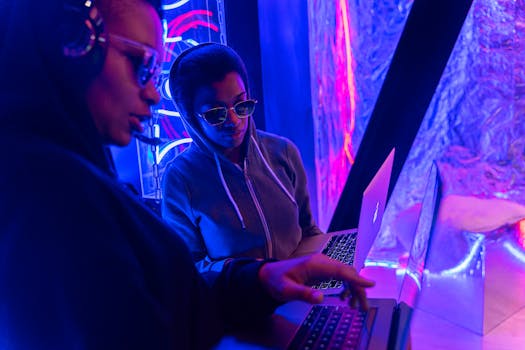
(82, 39)
(83, 28)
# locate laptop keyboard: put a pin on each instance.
(340, 247)
(330, 327)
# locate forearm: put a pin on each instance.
(209, 265)
(241, 295)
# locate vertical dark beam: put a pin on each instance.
(286, 78)
(242, 34)
(428, 38)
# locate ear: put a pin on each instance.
(82, 29)
(83, 41)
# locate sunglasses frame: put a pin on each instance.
(144, 73)
(226, 109)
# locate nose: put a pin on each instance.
(150, 93)
(231, 117)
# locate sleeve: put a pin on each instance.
(69, 278)
(178, 213)
(302, 197)
(78, 270)
(242, 299)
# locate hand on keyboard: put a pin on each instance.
(289, 280)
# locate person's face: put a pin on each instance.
(224, 93)
(117, 101)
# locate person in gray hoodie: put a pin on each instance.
(236, 191)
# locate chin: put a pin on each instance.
(121, 141)
(232, 144)
(236, 142)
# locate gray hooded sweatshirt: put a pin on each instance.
(223, 210)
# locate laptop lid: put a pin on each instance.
(372, 209)
(387, 323)
(418, 256)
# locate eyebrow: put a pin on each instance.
(234, 99)
(134, 43)
(240, 95)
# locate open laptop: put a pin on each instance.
(385, 325)
(352, 246)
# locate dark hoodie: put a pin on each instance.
(83, 263)
(222, 210)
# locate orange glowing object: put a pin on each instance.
(521, 233)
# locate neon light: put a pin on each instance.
(179, 19)
(192, 42)
(521, 233)
(465, 263)
(516, 252)
(351, 83)
(175, 39)
(195, 24)
(415, 278)
(382, 263)
(174, 5)
(176, 28)
(170, 146)
(156, 130)
(168, 112)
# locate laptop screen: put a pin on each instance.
(411, 285)
(372, 209)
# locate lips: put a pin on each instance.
(233, 134)
(136, 120)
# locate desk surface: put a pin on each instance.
(427, 331)
(432, 332)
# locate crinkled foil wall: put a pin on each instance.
(351, 46)
(474, 127)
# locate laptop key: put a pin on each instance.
(329, 327)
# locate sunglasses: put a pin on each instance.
(146, 61)
(217, 116)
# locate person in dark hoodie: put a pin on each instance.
(83, 263)
(236, 191)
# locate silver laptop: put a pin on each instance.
(352, 246)
(386, 324)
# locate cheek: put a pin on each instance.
(246, 122)
(117, 78)
(96, 100)
(106, 102)
(115, 85)
(206, 129)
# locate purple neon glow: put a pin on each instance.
(474, 127)
(346, 89)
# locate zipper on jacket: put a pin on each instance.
(269, 246)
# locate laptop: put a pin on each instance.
(335, 325)
(352, 246)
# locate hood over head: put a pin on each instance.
(200, 66)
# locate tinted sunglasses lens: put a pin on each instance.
(149, 70)
(245, 108)
(215, 115)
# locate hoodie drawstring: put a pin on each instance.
(275, 178)
(227, 189)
